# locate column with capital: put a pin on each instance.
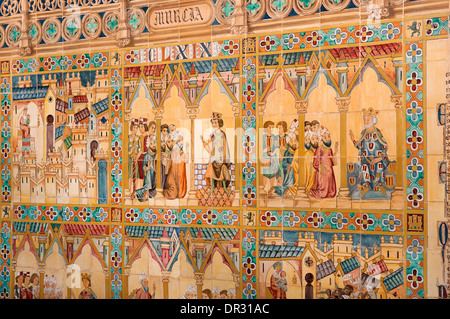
(237, 285)
(126, 276)
(165, 279)
(199, 277)
(41, 270)
(107, 283)
(12, 276)
(343, 197)
(159, 197)
(192, 111)
(301, 198)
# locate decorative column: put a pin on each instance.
(41, 270)
(301, 198)
(12, 276)
(237, 285)
(25, 38)
(126, 276)
(107, 283)
(192, 111)
(199, 276)
(123, 35)
(397, 198)
(159, 197)
(343, 197)
(165, 280)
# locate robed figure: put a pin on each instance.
(278, 283)
(148, 189)
(311, 145)
(373, 154)
(323, 163)
(24, 124)
(217, 172)
(176, 183)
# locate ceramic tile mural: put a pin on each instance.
(224, 149)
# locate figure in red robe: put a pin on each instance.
(323, 163)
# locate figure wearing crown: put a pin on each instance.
(217, 173)
(87, 292)
(372, 153)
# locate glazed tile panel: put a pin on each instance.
(288, 163)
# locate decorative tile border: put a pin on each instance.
(116, 261)
(116, 136)
(330, 37)
(61, 213)
(249, 102)
(5, 141)
(366, 222)
(248, 269)
(415, 277)
(185, 216)
(61, 63)
(5, 259)
(414, 124)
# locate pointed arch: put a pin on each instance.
(217, 247)
(314, 82)
(87, 240)
(176, 81)
(271, 85)
(60, 249)
(183, 246)
(21, 247)
(148, 93)
(215, 76)
(370, 62)
(145, 242)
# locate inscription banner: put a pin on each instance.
(187, 15)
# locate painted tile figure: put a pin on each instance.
(311, 145)
(24, 121)
(87, 292)
(324, 160)
(270, 157)
(147, 169)
(176, 182)
(372, 153)
(143, 292)
(217, 173)
(278, 282)
(288, 172)
(134, 146)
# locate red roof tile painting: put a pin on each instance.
(149, 70)
(94, 230)
(80, 99)
(361, 52)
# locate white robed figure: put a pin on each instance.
(217, 173)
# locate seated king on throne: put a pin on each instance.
(372, 170)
